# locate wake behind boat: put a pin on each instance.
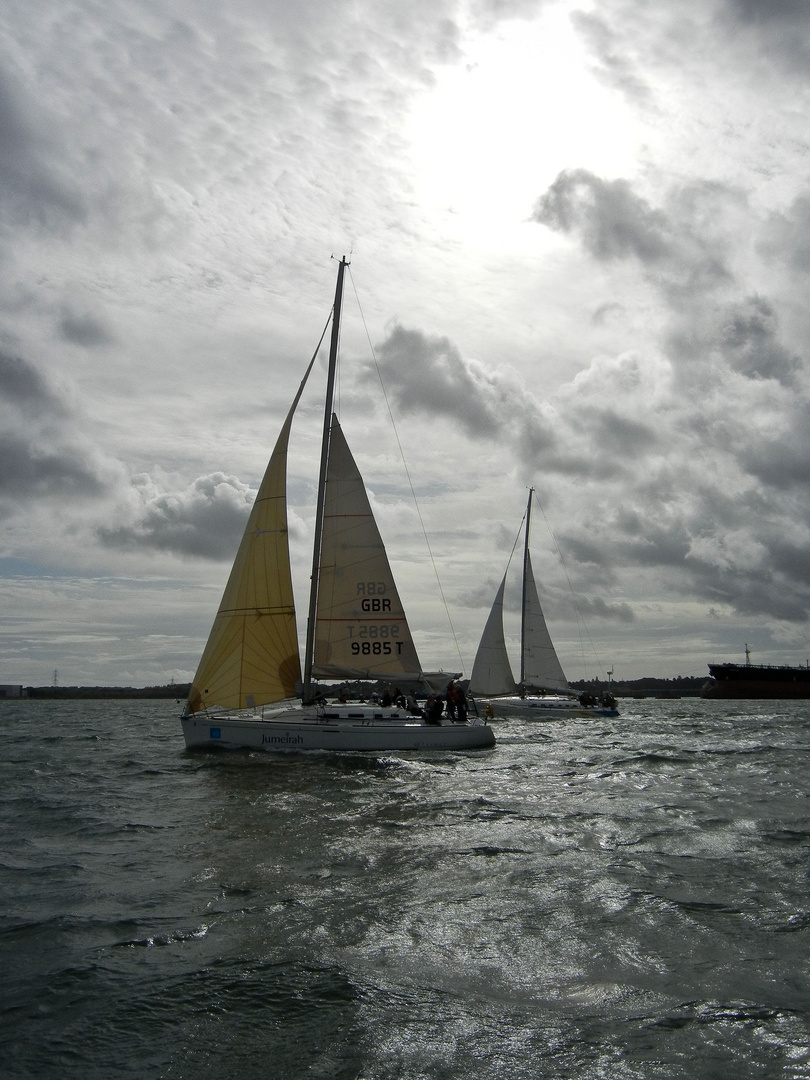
(356, 627)
(543, 690)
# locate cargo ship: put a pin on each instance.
(757, 680)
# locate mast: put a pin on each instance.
(523, 593)
(319, 510)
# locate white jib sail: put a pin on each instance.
(361, 630)
(492, 672)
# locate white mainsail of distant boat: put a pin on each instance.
(356, 629)
(543, 688)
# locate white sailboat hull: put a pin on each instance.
(374, 730)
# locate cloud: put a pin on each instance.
(617, 67)
(683, 249)
(80, 327)
(780, 29)
(789, 14)
(620, 435)
(28, 470)
(660, 478)
(604, 312)
(748, 342)
(672, 244)
(787, 235)
(774, 585)
(611, 219)
(41, 452)
(22, 386)
(204, 520)
(489, 13)
(780, 459)
(427, 375)
(34, 187)
(596, 607)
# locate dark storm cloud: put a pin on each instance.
(23, 387)
(206, 520)
(749, 342)
(30, 470)
(613, 222)
(794, 13)
(586, 552)
(594, 607)
(618, 434)
(41, 452)
(782, 462)
(743, 333)
(682, 251)
(745, 548)
(658, 537)
(792, 560)
(766, 589)
(780, 28)
(772, 583)
(673, 246)
(428, 376)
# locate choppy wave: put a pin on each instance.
(618, 900)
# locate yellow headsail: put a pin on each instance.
(252, 653)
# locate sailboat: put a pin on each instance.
(543, 690)
(244, 693)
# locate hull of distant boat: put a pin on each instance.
(548, 708)
(344, 729)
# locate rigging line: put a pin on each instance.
(408, 475)
(329, 319)
(581, 624)
(514, 546)
(323, 335)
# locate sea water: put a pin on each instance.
(591, 898)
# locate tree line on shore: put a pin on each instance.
(682, 686)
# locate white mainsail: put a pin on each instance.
(542, 669)
(360, 629)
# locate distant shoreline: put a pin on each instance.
(179, 691)
(649, 687)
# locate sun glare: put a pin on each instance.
(495, 131)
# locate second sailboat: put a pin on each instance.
(543, 690)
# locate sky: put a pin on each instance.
(580, 249)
